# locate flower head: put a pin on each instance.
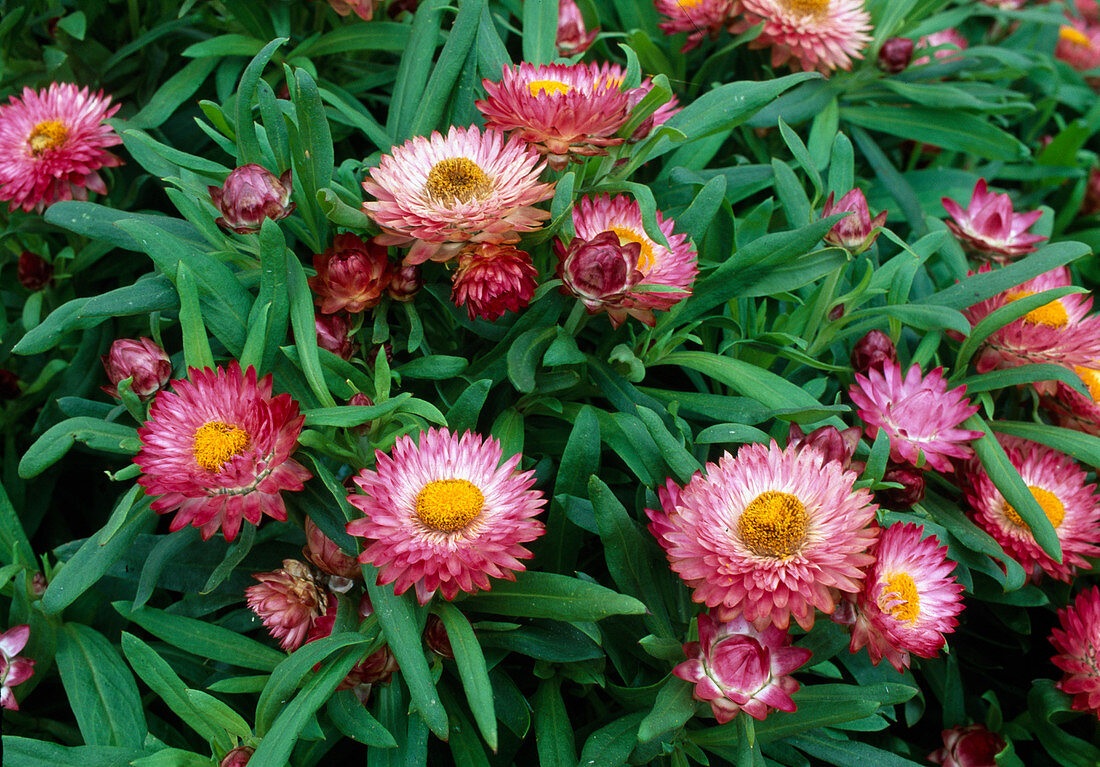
(701, 18)
(874, 350)
(572, 36)
(288, 601)
(405, 283)
(895, 54)
(909, 598)
(831, 442)
(822, 35)
(911, 490)
(1077, 641)
(14, 669)
(1062, 491)
(52, 145)
(141, 359)
(238, 757)
(736, 667)
(1079, 46)
(33, 271)
(323, 553)
(969, 746)
(334, 334)
(445, 514)
(493, 279)
(771, 534)
(918, 413)
(250, 194)
(218, 449)
(856, 231)
(351, 276)
(364, 9)
(989, 228)
(439, 193)
(1073, 410)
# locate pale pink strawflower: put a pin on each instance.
(989, 228)
(969, 746)
(251, 194)
(218, 450)
(1073, 410)
(700, 18)
(909, 599)
(493, 279)
(288, 601)
(736, 668)
(572, 37)
(948, 42)
(14, 668)
(808, 35)
(1079, 46)
(322, 552)
(334, 334)
(771, 534)
(1065, 495)
(141, 359)
(446, 514)
(1077, 641)
(364, 9)
(352, 275)
(919, 414)
(857, 231)
(437, 194)
(52, 144)
(566, 112)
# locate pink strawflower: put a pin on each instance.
(989, 228)
(334, 334)
(831, 442)
(14, 669)
(288, 601)
(1078, 644)
(1072, 410)
(322, 552)
(566, 112)
(874, 350)
(439, 193)
(856, 232)
(808, 35)
(141, 359)
(351, 276)
(918, 413)
(771, 534)
(446, 514)
(493, 279)
(1079, 46)
(1063, 492)
(736, 667)
(969, 746)
(949, 42)
(701, 18)
(251, 194)
(364, 9)
(572, 36)
(52, 145)
(909, 598)
(218, 450)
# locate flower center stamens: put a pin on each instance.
(647, 258)
(1048, 502)
(900, 598)
(549, 87)
(773, 525)
(457, 178)
(47, 135)
(1074, 35)
(807, 8)
(447, 505)
(1052, 314)
(216, 442)
(1091, 377)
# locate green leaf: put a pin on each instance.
(844, 753)
(524, 355)
(540, 28)
(434, 367)
(353, 720)
(376, 36)
(471, 669)
(610, 746)
(548, 595)
(673, 708)
(52, 446)
(173, 93)
(998, 318)
(1025, 374)
(950, 129)
(1047, 706)
(553, 730)
(464, 412)
(305, 331)
(248, 146)
(25, 752)
(451, 61)
(763, 386)
(1076, 444)
(196, 347)
(173, 757)
(412, 73)
(273, 292)
(347, 416)
(313, 153)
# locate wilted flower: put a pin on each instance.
(334, 334)
(141, 359)
(911, 490)
(287, 600)
(989, 228)
(833, 444)
(445, 514)
(701, 18)
(218, 449)
(874, 350)
(14, 669)
(364, 9)
(405, 283)
(949, 42)
(572, 37)
(969, 746)
(736, 667)
(52, 145)
(895, 54)
(250, 194)
(33, 271)
(856, 231)
(351, 276)
(435, 636)
(323, 552)
(492, 279)
(238, 757)
(1075, 641)
(821, 35)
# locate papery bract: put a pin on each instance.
(1076, 642)
(351, 276)
(969, 746)
(700, 18)
(856, 231)
(990, 228)
(808, 35)
(572, 37)
(141, 359)
(33, 271)
(14, 668)
(334, 334)
(250, 194)
(874, 350)
(493, 279)
(287, 600)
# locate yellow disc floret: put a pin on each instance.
(549, 87)
(447, 505)
(1091, 377)
(647, 259)
(457, 178)
(773, 525)
(1074, 35)
(1052, 314)
(1048, 502)
(811, 8)
(216, 442)
(47, 135)
(900, 598)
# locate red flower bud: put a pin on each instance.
(143, 360)
(38, 584)
(323, 552)
(601, 272)
(435, 636)
(572, 37)
(238, 757)
(250, 194)
(895, 54)
(33, 271)
(372, 357)
(912, 487)
(351, 275)
(360, 399)
(406, 282)
(834, 444)
(332, 334)
(1091, 204)
(970, 746)
(856, 231)
(364, 9)
(873, 351)
(492, 279)
(9, 384)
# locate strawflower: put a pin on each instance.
(141, 359)
(1077, 641)
(288, 601)
(989, 228)
(334, 334)
(493, 279)
(14, 668)
(856, 232)
(572, 37)
(1073, 410)
(323, 553)
(238, 757)
(948, 42)
(1079, 46)
(969, 746)
(874, 350)
(351, 276)
(808, 35)
(364, 9)
(250, 194)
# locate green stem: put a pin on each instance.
(577, 319)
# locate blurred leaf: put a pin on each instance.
(548, 595)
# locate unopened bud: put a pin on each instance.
(333, 333)
(238, 757)
(141, 359)
(435, 636)
(250, 194)
(873, 351)
(351, 276)
(911, 490)
(33, 271)
(895, 54)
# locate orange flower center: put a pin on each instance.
(1052, 314)
(1048, 502)
(47, 135)
(216, 442)
(899, 597)
(549, 87)
(457, 178)
(689, 3)
(812, 8)
(1091, 377)
(773, 525)
(447, 505)
(647, 258)
(1074, 35)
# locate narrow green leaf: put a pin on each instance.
(196, 346)
(673, 707)
(55, 443)
(471, 669)
(553, 731)
(548, 595)
(248, 146)
(540, 28)
(101, 690)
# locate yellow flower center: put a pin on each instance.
(47, 135)
(900, 598)
(217, 442)
(812, 8)
(457, 178)
(1074, 35)
(1048, 502)
(689, 3)
(1091, 377)
(1052, 314)
(773, 525)
(648, 257)
(447, 505)
(549, 87)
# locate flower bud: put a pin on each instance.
(911, 490)
(141, 359)
(372, 356)
(364, 9)
(323, 552)
(492, 279)
(238, 757)
(351, 275)
(435, 636)
(33, 271)
(873, 351)
(359, 399)
(834, 444)
(856, 231)
(9, 384)
(38, 585)
(970, 746)
(333, 334)
(376, 669)
(895, 54)
(288, 601)
(572, 37)
(250, 194)
(1091, 204)
(406, 282)
(601, 272)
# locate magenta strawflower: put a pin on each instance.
(1065, 495)
(771, 534)
(856, 232)
(948, 42)
(572, 37)
(141, 359)
(736, 667)
(14, 668)
(918, 413)
(700, 18)
(445, 514)
(405, 283)
(969, 746)
(439, 193)
(218, 450)
(322, 552)
(874, 350)
(351, 276)
(808, 35)
(288, 601)
(831, 442)
(1077, 641)
(989, 228)
(895, 54)
(493, 279)
(659, 117)
(251, 194)
(52, 145)
(334, 334)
